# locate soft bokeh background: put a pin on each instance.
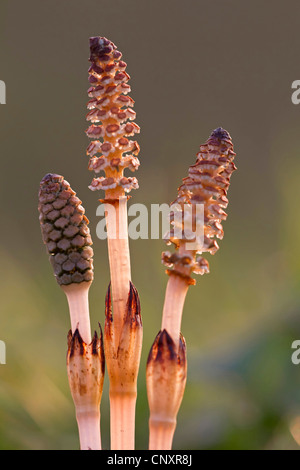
(194, 66)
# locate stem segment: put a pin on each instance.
(89, 429)
(77, 296)
(123, 360)
(119, 259)
(122, 420)
(176, 291)
(161, 434)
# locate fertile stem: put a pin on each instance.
(206, 185)
(67, 237)
(111, 106)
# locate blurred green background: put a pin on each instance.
(194, 66)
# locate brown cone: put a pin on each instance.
(65, 231)
(111, 107)
(207, 184)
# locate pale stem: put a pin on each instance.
(77, 295)
(119, 260)
(122, 421)
(89, 430)
(161, 434)
(176, 291)
(122, 404)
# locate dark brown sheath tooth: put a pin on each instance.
(86, 368)
(65, 231)
(166, 374)
(207, 183)
(123, 359)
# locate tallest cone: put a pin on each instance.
(111, 117)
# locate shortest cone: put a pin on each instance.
(166, 378)
(65, 231)
(86, 365)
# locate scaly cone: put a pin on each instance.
(111, 105)
(206, 186)
(65, 231)
(66, 235)
(111, 151)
